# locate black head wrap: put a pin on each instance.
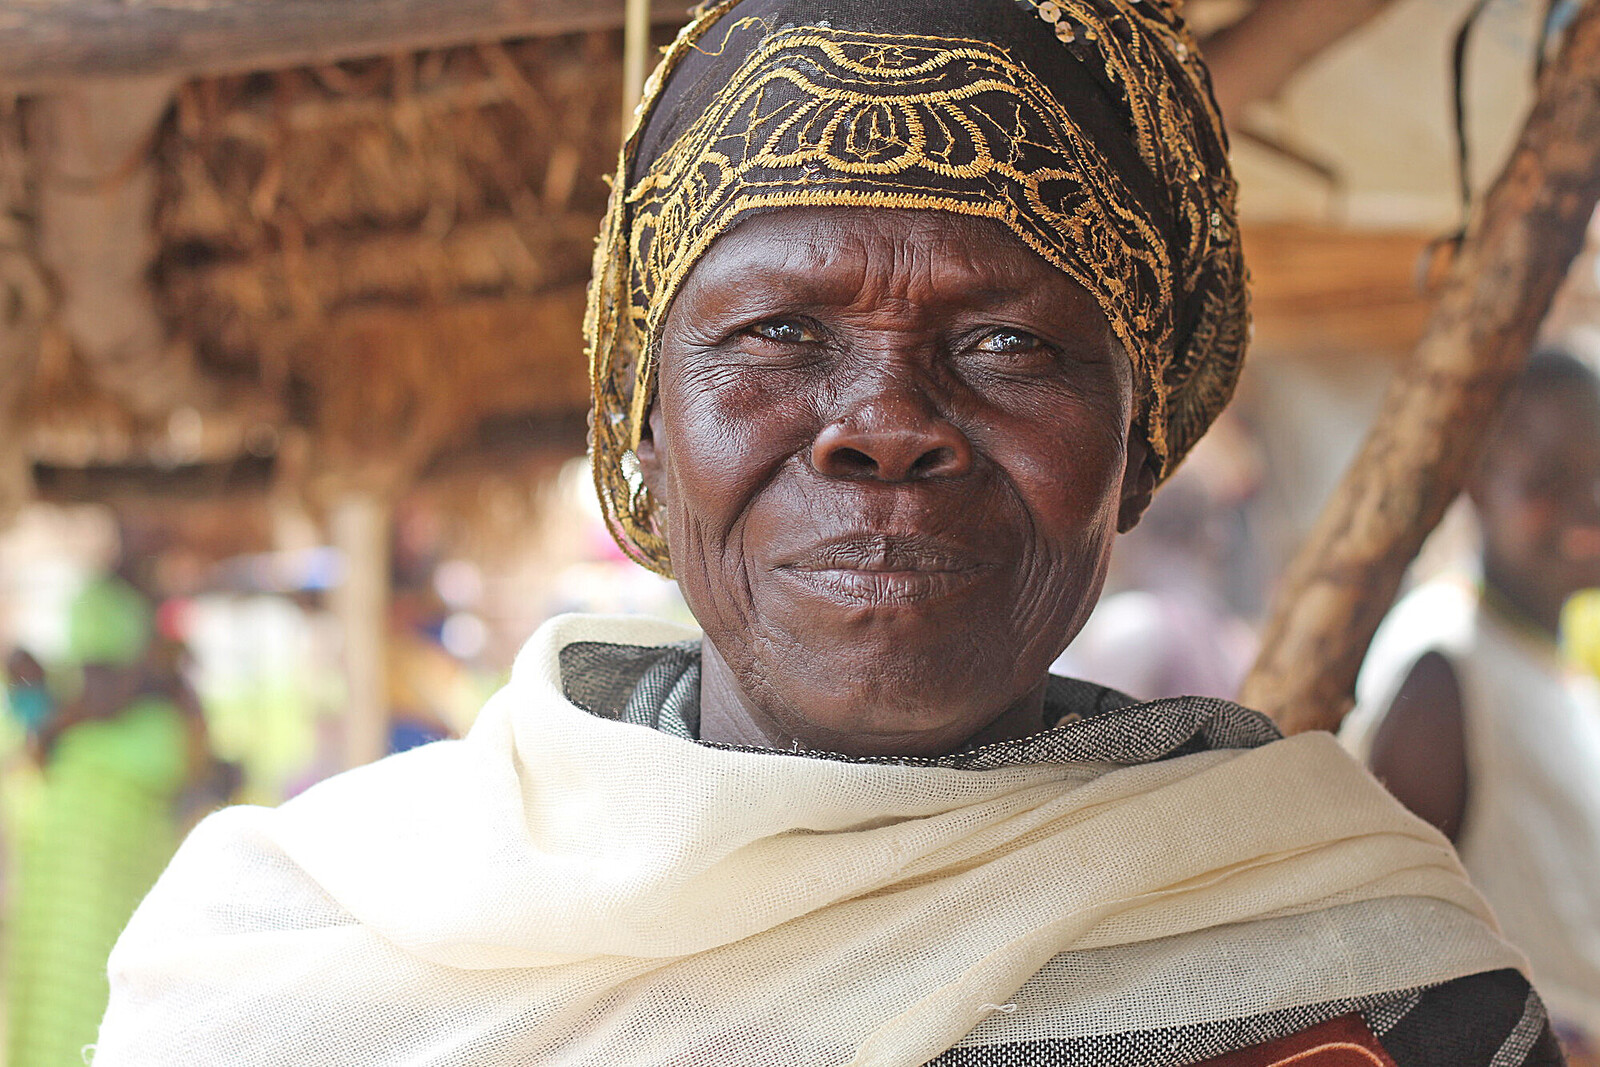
(1086, 127)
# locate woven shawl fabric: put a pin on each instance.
(565, 888)
(1085, 127)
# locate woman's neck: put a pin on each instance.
(729, 716)
(726, 714)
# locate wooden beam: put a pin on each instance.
(499, 443)
(42, 45)
(1431, 425)
(391, 386)
(505, 443)
(16, 481)
(1256, 56)
(401, 267)
(1332, 293)
(117, 483)
(635, 58)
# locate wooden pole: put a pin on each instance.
(360, 527)
(60, 44)
(1434, 415)
(635, 59)
(27, 294)
(16, 473)
(1256, 56)
(97, 195)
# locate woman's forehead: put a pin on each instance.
(831, 253)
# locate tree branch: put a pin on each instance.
(1431, 425)
(1252, 59)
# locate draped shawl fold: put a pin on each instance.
(560, 888)
(1085, 127)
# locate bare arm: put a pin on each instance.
(1420, 751)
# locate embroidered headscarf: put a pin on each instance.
(1086, 127)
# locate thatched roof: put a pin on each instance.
(388, 255)
(395, 248)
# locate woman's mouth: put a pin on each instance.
(883, 569)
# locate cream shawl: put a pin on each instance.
(561, 888)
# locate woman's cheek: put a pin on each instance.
(729, 438)
(1069, 486)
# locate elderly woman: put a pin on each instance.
(900, 313)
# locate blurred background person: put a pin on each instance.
(116, 757)
(429, 693)
(28, 697)
(1473, 718)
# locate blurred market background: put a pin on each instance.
(293, 407)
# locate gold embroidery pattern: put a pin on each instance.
(822, 117)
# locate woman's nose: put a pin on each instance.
(892, 439)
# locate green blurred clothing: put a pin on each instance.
(110, 622)
(92, 841)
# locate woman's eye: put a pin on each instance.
(784, 331)
(1010, 341)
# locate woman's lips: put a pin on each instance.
(877, 568)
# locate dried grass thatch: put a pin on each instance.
(396, 246)
(380, 256)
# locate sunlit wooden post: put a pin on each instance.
(635, 58)
(359, 524)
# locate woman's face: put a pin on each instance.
(893, 448)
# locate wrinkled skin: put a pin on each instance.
(893, 449)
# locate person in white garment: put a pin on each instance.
(1468, 713)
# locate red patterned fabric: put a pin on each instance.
(1341, 1042)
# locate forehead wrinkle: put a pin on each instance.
(902, 261)
(802, 265)
(962, 250)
